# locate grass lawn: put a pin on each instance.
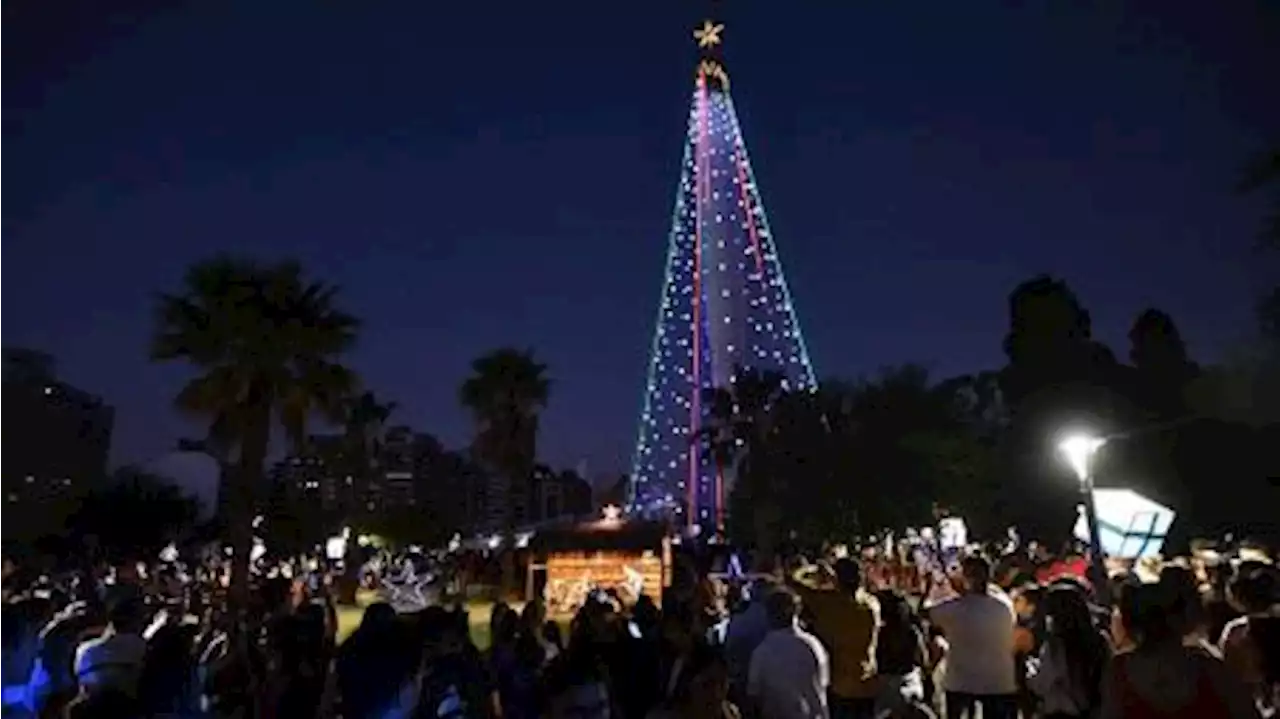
(478, 612)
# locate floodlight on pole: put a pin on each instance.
(1079, 450)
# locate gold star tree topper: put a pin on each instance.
(709, 34)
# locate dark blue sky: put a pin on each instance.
(480, 174)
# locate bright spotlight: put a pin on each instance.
(1078, 450)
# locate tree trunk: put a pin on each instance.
(349, 581)
(242, 505)
(508, 585)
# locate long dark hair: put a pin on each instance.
(1070, 626)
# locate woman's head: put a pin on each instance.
(1183, 593)
(1066, 612)
(378, 616)
(1148, 614)
(704, 682)
(532, 616)
(497, 615)
(1254, 590)
(1026, 599)
(894, 609)
(505, 628)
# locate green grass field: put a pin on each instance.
(478, 613)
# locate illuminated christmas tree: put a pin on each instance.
(725, 307)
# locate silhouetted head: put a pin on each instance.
(782, 607)
(977, 573)
(848, 574)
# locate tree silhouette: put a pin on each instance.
(133, 515)
(1050, 340)
(265, 341)
(1056, 378)
(1163, 370)
(851, 459)
(737, 434)
(364, 418)
(1262, 175)
(505, 392)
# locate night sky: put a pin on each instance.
(483, 174)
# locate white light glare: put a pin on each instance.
(1078, 450)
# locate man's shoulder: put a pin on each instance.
(118, 646)
(867, 602)
(775, 639)
(92, 644)
(813, 643)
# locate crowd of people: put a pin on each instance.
(840, 637)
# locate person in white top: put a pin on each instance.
(113, 661)
(789, 671)
(978, 626)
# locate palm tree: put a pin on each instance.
(363, 419)
(265, 342)
(737, 434)
(505, 392)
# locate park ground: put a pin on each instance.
(478, 613)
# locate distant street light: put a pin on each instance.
(1079, 450)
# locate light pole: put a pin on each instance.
(1079, 451)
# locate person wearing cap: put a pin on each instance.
(846, 617)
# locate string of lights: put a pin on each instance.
(725, 307)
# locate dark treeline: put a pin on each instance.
(268, 346)
(857, 457)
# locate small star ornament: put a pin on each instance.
(709, 34)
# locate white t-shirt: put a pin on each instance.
(111, 661)
(979, 632)
(789, 675)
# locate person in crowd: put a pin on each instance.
(22, 620)
(167, 686)
(578, 685)
(114, 660)
(553, 637)
(515, 667)
(1255, 593)
(703, 691)
(645, 666)
(747, 629)
(1160, 677)
(901, 657)
(372, 664)
(678, 641)
(105, 704)
(1218, 607)
(1265, 633)
(453, 683)
(978, 626)
(532, 619)
(300, 662)
(1072, 660)
(847, 618)
(1028, 635)
(790, 672)
(1188, 609)
(1029, 631)
(53, 682)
